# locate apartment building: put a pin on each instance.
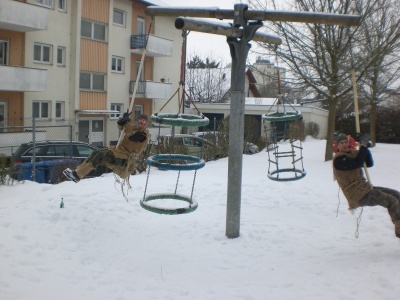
(17, 20)
(83, 58)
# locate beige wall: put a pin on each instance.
(119, 45)
(58, 78)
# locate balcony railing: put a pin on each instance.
(157, 46)
(151, 89)
(22, 17)
(22, 79)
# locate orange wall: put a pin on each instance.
(138, 11)
(92, 100)
(93, 56)
(148, 67)
(96, 10)
(15, 107)
(16, 44)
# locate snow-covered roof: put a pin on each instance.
(156, 2)
(260, 101)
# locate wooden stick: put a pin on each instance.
(357, 115)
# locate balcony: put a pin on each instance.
(157, 46)
(151, 89)
(21, 79)
(22, 17)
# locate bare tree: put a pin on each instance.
(318, 55)
(206, 81)
(379, 43)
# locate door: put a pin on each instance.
(84, 131)
(3, 115)
(97, 133)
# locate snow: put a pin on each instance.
(297, 239)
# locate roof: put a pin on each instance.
(154, 2)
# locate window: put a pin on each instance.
(141, 75)
(119, 17)
(141, 25)
(41, 109)
(118, 107)
(45, 3)
(92, 81)
(59, 150)
(117, 64)
(61, 56)
(62, 5)
(3, 52)
(84, 151)
(42, 53)
(94, 31)
(138, 112)
(60, 109)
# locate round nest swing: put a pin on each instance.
(184, 120)
(169, 211)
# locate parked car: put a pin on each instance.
(211, 136)
(56, 151)
(186, 144)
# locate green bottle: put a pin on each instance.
(62, 203)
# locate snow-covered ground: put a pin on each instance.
(297, 239)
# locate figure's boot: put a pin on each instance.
(83, 169)
(71, 175)
(397, 228)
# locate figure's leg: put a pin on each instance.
(95, 159)
(387, 198)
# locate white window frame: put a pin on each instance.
(123, 13)
(92, 30)
(60, 105)
(5, 44)
(116, 106)
(91, 83)
(41, 59)
(63, 56)
(45, 3)
(62, 6)
(41, 115)
(141, 24)
(114, 64)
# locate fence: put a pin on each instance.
(98, 130)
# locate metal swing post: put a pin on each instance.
(239, 49)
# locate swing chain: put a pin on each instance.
(194, 180)
(147, 181)
(177, 182)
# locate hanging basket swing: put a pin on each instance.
(175, 162)
(284, 126)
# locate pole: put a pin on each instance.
(34, 148)
(256, 15)
(357, 115)
(239, 49)
(225, 29)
